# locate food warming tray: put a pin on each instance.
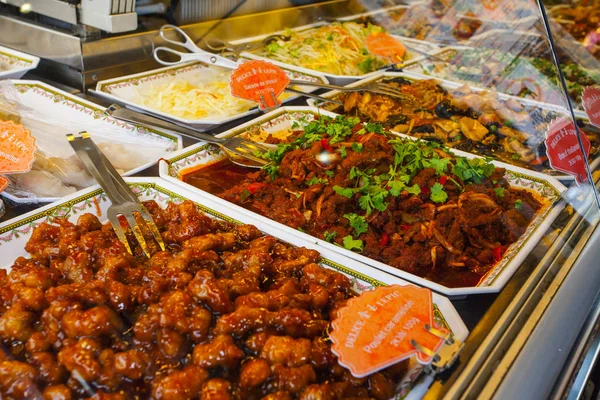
(199, 155)
(15, 233)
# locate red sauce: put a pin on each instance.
(218, 177)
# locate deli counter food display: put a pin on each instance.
(322, 199)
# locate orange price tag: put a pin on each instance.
(3, 183)
(17, 148)
(375, 330)
(384, 45)
(259, 81)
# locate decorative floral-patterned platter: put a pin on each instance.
(450, 85)
(67, 107)
(128, 89)
(546, 188)
(14, 64)
(340, 80)
(15, 233)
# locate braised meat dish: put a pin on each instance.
(410, 204)
(479, 123)
(225, 313)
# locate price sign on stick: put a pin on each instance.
(383, 327)
(591, 104)
(564, 152)
(17, 150)
(384, 45)
(259, 81)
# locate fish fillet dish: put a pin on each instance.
(224, 313)
(410, 204)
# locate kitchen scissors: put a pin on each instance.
(196, 53)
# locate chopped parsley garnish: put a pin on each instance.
(440, 165)
(499, 192)
(519, 204)
(346, 192)
(357, 147)
(438, 194)
(315, 181)
(352, 244)
(358, 222)
(329, 236)
(474, 170)
(343, 152)
(329, 173)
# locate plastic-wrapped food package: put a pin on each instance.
(57, 171)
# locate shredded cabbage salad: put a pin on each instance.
(197, 100)
(337, 49)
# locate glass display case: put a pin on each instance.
(447, 144)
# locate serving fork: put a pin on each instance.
(123, 201)
(238, 149)
(374, 87)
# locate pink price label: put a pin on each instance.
(562, 148)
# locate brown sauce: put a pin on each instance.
(218, 177)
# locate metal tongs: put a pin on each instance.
(124, 201)
(240, 151)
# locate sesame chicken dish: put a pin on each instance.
(225, 312)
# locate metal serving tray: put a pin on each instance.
(15, 233)
(14, 64)
(454, 85)
(334, 79)
(126, 90)
(282, 120)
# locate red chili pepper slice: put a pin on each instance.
(443, 180)
(538, 160)
(385, 238)
(498, 252)
(256, 187)
(425, 191)
(405, 227)
(326, 146)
